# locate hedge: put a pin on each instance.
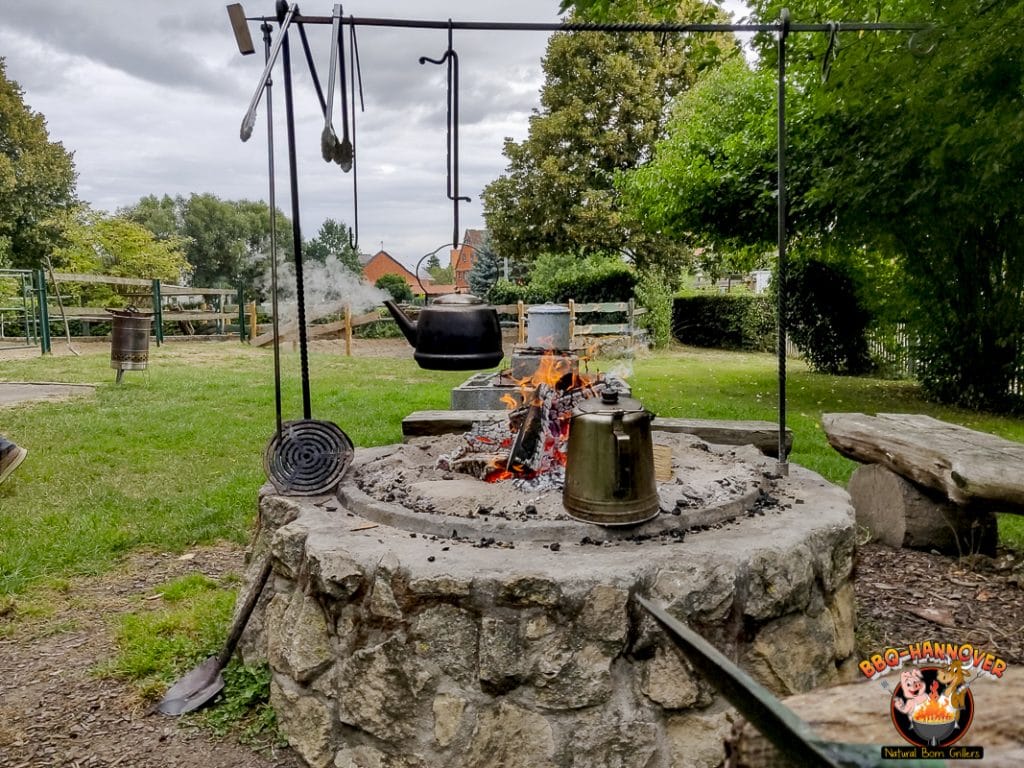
(725, 321)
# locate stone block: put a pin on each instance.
(778, 581)
(701, 591)
(449, 636)
(530, 590)
(667, 681)
(501, 655)
(507, 736)
(793, 654)
(298, 641)
(567, 679)
(335, 573)
(843, 610)
(900, 513)
(617, 739)
(370, 757)
(380, 689)
(697, 738)
(604, 616)
(306, 722)
(382, 603)
(448, 711)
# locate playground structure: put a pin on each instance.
(26, 304)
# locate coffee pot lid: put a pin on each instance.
(457, 299)
(610, 401)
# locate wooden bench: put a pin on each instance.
(763, 435)
(928, 483)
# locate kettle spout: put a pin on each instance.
(408, 326)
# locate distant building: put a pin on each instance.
(383, 263)
(464, 257)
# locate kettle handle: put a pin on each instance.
(623, 458)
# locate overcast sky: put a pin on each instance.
(149, 96)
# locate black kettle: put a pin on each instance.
(456, 332)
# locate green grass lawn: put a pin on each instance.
(172, 457)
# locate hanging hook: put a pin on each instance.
(919, 48)
(452, 59)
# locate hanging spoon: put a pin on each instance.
(328, 138)
(343, 151)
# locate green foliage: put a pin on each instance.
(333, 239)
(244, 707)
(396, 286)
(560, 277)
(37, 181)
(227, 242)
(486, 268)
(712, 181)
(725, 321)
(94, 242)
(654, 293)
(603, 106)
(825, 317)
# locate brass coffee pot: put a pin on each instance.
(609, 472)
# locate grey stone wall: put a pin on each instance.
(396, 650)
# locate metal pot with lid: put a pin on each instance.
(609, 472)
(456, 332)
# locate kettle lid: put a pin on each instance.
(457, 299)
(610, 401)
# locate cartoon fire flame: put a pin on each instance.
(936, 711)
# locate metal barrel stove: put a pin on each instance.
(129, 339)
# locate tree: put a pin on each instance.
(226, 241)
(603, 106)
(37, 181)
(333, 239)
(486, 268)
(909, 155)
(396, 286)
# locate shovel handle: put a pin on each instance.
(243, 616)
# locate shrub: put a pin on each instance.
(826, 319)
(724, 321)
(654, 293)
(396, 286)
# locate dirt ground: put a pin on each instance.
(54, 711)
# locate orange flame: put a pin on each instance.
(934, 711)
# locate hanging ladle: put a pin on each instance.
(343, 155)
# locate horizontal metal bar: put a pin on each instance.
(573, 26)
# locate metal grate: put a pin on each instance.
(307, 457)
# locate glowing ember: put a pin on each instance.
(936, 711)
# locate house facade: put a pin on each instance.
(464, 257)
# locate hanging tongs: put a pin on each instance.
(333, 150)
(249, 121)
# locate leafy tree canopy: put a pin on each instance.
(603, 106)
(37, 181)
(333, 239)
(227, 242)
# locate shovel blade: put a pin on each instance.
(194, 690)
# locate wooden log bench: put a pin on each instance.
(926, 483)
(858, 713)
(763, 435)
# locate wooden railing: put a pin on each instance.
(627, 328)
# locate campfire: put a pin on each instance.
(530, 447)
(935, 711)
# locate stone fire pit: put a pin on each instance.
(421, 618)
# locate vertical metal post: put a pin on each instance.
(241, 313)
(300, 298)
(158, 313)
(783, 465)
(272, 205)
(44, 316)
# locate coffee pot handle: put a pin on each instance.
(623, 458)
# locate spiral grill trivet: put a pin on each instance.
(308, 457)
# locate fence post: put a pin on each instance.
(521, 320)
(348, 330)
(158, 313)
(630, 323)
(572, 320)
(44, 315)
(254, 329)
(241, 313)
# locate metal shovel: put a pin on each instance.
(329, 139)
(204, 682)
